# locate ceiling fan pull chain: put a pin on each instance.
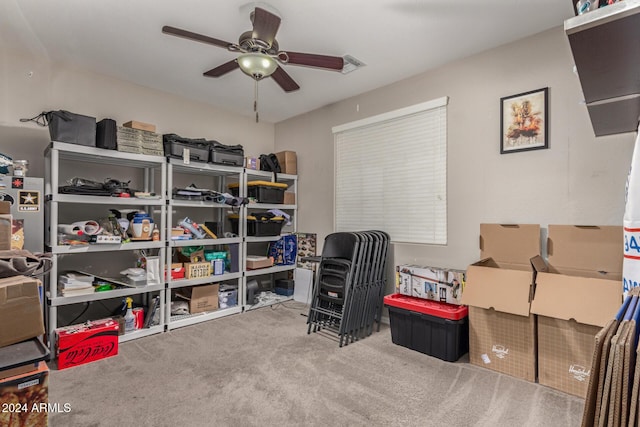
(255, 99)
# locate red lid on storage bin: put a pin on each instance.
(424, 306)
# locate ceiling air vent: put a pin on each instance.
(351, 64)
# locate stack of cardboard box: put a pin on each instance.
(534, 320)
(23, 371)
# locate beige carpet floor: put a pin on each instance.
(260, 368)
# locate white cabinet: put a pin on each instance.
(148, 174)
(215, 178)
(606, 50)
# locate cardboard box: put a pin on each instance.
(201, 298)
(28, 393)
(288, 161)
(5, 225)
(20, 309)
(289, 198)
(252, 163)
(576, 295)
(140, 125)
(254, 261)
(93, 340)
(498, 290)
(432, 283)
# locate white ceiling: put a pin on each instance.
(395, 38)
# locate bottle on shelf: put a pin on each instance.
(129, 317)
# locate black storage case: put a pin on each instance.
(285, 283)
(436, 336)
(71, 128)
(258, 227)
(263, 191)
(198, 151)
(25, 354)
(106, 134)
(265, 194)
(232, 155)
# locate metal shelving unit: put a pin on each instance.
(217, 177)
(159, 174)
(291, 209)
(150, 166)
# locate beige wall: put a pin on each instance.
(578, 180)
(57, 86)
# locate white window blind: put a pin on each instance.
(391, 174)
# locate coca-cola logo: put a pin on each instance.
(88, 352)
(96, 346)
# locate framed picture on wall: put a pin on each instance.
(524, 121)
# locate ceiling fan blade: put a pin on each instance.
(195, 36)
(312, 60)
(284, 80)
(265, 25)
(222, 69)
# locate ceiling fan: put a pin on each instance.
(260, 53)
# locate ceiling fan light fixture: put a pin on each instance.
(257, 65)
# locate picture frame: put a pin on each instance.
(524, 121)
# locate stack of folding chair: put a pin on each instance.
(612, 396)
(349, 286)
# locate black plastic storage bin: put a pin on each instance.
(435, 328)
(263, 191)
(22, 357)
(259, 226)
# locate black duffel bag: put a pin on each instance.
(68, 127)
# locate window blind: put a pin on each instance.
(391, 174)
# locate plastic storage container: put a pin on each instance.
(263, 191)
(23, 357)
(259, 226)
(198, 152)
(232, 155)
(438, 329)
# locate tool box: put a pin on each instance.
(430, 327)
(232, 155)
(195, 151)
(263, 191)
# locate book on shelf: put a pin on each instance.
(77, 291)
(74, 283)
